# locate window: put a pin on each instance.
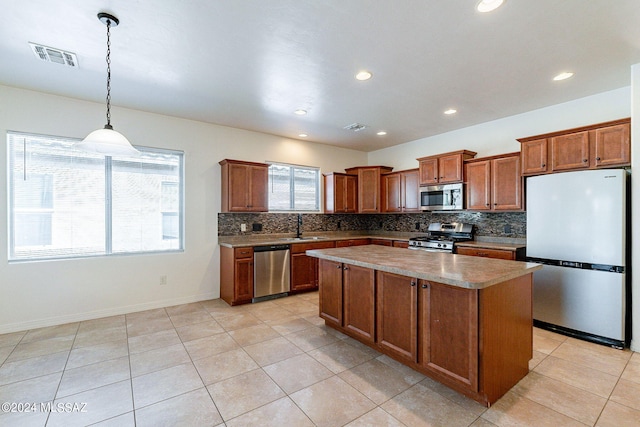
(294, 188)
(65, 203)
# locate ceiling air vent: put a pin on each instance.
(356, 127)
(51, 54)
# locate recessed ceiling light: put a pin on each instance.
(303, 135)
(450, 111)
(364, 75)
(563, 76)
(300, 112)
(381, 133)
(488, 5)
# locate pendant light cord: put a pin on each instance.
(108, 74)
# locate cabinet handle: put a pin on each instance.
(345, 268)
(543, 165)
(488, 205)
(413, 283)
(585, 160)
(425, 286)
(495, 204)
(598, 158)
(338, 266)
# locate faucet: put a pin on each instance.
(299, 229)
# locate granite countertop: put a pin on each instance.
(458, 270)
(282, 239)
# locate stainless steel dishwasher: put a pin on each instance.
(271, 272)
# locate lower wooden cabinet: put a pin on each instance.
(448, 332)
(397, 314)
(476, 341)
(304, 269)
(491, 253)
(236, 275)
(381, 242)
(352, 242)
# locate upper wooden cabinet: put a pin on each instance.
(244, 186)
(443, 168)
(400, 191)
(597, 146)
(340, 193)
(369, 182)
(494, 183)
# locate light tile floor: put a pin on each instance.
(275, 364)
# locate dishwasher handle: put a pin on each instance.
(269, 248)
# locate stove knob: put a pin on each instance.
(439, 245)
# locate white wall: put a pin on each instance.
(499, 136)
(53, 292)
(635, 203)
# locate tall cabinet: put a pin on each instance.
(369, 182)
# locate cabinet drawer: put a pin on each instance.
(381, 242)
(352, 242)
(487, 253)
(243, 253)
(303, 247)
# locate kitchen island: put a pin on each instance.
(464, 321)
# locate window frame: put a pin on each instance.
(292, 180)
(108, 226)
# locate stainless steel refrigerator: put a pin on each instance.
(576, 226)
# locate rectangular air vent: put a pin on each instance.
(355, 127)
(51, 54)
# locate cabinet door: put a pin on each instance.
(381, 242)
(410, 191)
(330, 302)
(239, 183)
(506, 187)
(369, 190)
(258, 189)
(450, 169)
(243, 289)
(352, 242)
(534, 157)
(570, 151)
(428, 171)
(487, 253)
(613, 146)
(340, 196)
(359, 301)
(479, 185)
(449, 332)
(396, 314)
(304, 274)
(400, 244)
(391, 200)
(351, 194)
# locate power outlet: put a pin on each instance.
(243, 227)
(163, 280)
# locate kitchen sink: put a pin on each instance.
(297, 239)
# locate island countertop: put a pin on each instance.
(458, 270)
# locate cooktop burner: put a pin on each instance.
(442, 237)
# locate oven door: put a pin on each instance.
(444, 197)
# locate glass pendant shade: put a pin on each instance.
(108, 142)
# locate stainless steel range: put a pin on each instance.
(442, 237)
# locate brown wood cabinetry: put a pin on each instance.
(304, 269)
(448, 332)
(369, 182)
(352, 242)
(244, 186)
(517, 253)
(494, 183)
(590, 147)
(443, 168)
(236, 275)
(381, 242)
(400, 191)
(347, 298)
(400, 244)
(397, 314)
(340, 193)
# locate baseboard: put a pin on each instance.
(115, 311)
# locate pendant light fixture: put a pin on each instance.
(107, 141)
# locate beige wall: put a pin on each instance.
(52, 292)
(635, 203)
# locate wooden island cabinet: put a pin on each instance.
(464, 321)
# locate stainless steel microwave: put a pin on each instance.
(445, 197)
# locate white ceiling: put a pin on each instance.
(251, 63)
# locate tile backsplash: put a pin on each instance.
(507, 224)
